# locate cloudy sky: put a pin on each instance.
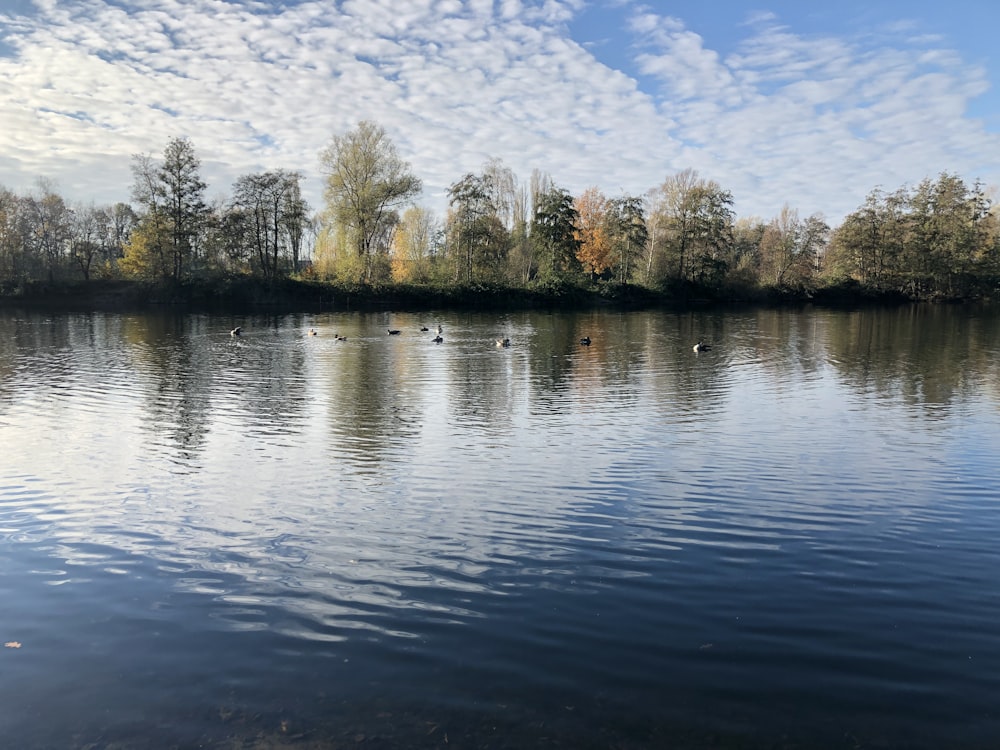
(779, 101)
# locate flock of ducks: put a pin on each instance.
(503, 343)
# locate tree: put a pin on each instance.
(952, 226)
(50, 227)
(366, 183)
(115, 225)
(554, 233)
(271, 205)
(295, 219)
(693, 223)
(814, 237)
(866, 246)
(172, 195)
(629, 234)
(145, 255)
(13, 223)
(470, 205)
(414, 245)
(521, 256)
(594, 231)
(502, 189)
(229, 240)
(85, 245)
(475, 230)
(789, 247)
(185, 203)
(743, 261)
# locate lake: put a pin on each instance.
(286, 540)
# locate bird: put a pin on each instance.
(312, 331)
(701, 346)
(393, 331)
(503, 343)
(236, 331)
(423, 328)
(338, 337)
(440, 331)
(437, 339)
(585, 341)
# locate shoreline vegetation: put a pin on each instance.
(289, 295)
(503, 244)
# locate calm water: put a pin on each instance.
(283, 540)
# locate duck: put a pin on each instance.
(393, 331)
(338, 337)
(585, 341)
(312, 331)
(424, 329)
(701, 346)
(437, 339)
(440, 330)
(236, 331)
(503, 343)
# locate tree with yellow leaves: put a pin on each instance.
(366, 182)
(595, 252)
(147, 254)
(413, 245)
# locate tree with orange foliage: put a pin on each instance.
(596, 247)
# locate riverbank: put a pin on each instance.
(292, 295)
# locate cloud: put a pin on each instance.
(815, 121)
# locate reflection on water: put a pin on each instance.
(292, 540)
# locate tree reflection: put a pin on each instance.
(372, 391)
(261, 381)
(175, 374)
(927, 355)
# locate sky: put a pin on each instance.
(781, 102)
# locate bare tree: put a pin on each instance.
(271, 207)
(50, 222)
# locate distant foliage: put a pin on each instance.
(939, 239)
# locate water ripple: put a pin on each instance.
(785, 535)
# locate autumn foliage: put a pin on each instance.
(595, 253)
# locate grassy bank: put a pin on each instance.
(295, 295)
(291, 295)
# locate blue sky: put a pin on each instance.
(779, 102)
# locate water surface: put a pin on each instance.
(286, 540)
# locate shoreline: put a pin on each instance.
(290, 295)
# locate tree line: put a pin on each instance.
(940, 238)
